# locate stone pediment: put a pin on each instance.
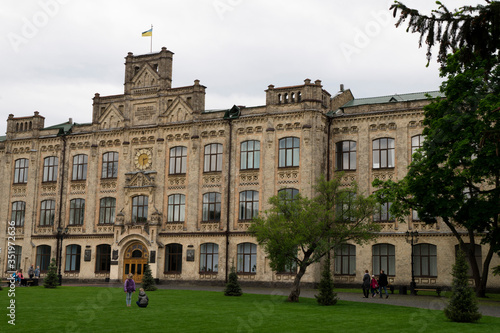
(146, 78)
(178, 111)
(140, 179)
(112, 117)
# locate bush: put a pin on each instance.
(326, 294)
(148, 282)
(233, 287)
(463, 303)
(51, 280)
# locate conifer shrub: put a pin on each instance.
(326, 295)
(148, 282)
(51, 280)
(233, 287)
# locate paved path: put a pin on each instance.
(420, 301)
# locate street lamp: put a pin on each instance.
(60, 236)
(412, 238)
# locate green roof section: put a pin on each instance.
(63, 128)
(393, 98)
(3, 138)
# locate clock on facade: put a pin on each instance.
(143, 159)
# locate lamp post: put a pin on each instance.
(60, 236)
(412, 238)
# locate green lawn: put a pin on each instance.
(94, 309)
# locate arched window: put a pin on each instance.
(213, 157)
(209, 258)
(247, 258)
(140, 209)
(73, 253)
(50, 169)
(345, 155)
(383, 153)
(47, 212)
(109, 165)
(249, 205)
(345, 260)
(289, 152)
(176, 208)
(173, 258)
(211, 207)
(79, 167)
(289, 193)
(250, 155)
(384, 258)
(21, 171)
(178, 160)
(43, 257)
(103, 258)
(107, 210)
(76, 211)
(425, 260)
(18, 212)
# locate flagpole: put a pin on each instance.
(151, 48)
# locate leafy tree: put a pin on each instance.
(51, 280)
(326, 294)
(463, 303)
(148, 282)
(456, 175)
(297, 232)
(233, 287)
(473, 29)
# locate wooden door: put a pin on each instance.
(134, 262)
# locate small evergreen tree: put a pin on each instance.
(51, 280)
(326, 294)
(463, 303)
(233, 287)
(148, 282)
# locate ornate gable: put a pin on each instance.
(146, 78)
(140, 179)
(178, 111)
(111, 118)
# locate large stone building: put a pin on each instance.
(156, 177)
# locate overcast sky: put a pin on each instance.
(56, 54)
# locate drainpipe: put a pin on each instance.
(228, 194)
(329, 123)
(59, 227)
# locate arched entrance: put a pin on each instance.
(134, 261)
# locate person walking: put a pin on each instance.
(382, 282)
(31, 272)
(143, 299)
(37, 272)
(129, 288)
(366, 284)
(374, 286)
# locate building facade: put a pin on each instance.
(157, 178)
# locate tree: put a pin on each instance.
(463, 303)
(473, 29)
(51, 280)
(297, 232)
(233, 287)
(148, 282)
(326, 294)
(456, 175)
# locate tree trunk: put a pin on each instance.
(295, 290)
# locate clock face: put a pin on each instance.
(143, 159)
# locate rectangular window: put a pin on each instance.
(346, 155)
(79, 167)
(50, 169)
(21, 171)
(213, 157)
(72, 258)
(18, 212)
(178, 160)
(76, 211)
(47, 212)
(109, 165)
(383, 153)
(107, 210)
(250, 155)
(289, 152)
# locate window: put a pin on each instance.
(345, 260)
(21, 171)
(289, 152)
(109, 165)
(79, 167)
(47, 212)
(346, 155)
(18, 250)
(107, 210)
(250, 155)
(383, 214)
(173, 258)
(345, 210)
(417, 142)
(18, 211)
(50, 169)
(103, 258)
(384, 258)
(43, 257)
(213, 157)
(72, 258)
(176, 208)
(383, 153)
(414, 215)
(247, 258)
(249, 205)
(76, 211)
(477, 254)
(211, 207)
(178, 160)
(140, 209)
(289, 193)
(425, 260)
(209, 258)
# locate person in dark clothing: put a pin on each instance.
(382, 282)
(143, 300)
(366, 284)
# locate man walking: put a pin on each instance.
(382, 282)
(366, 284)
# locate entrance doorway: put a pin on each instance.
(135, 260)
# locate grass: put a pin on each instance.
(98, 309)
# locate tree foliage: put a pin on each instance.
(233, 287)
(51, 280)
(456, 175)
(326, 296)
(463, 303)
(297, 232)
(148, 282)
(473, 29)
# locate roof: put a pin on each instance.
(393, 98)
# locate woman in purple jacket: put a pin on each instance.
(129, 288)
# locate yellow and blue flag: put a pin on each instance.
(148, 33)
